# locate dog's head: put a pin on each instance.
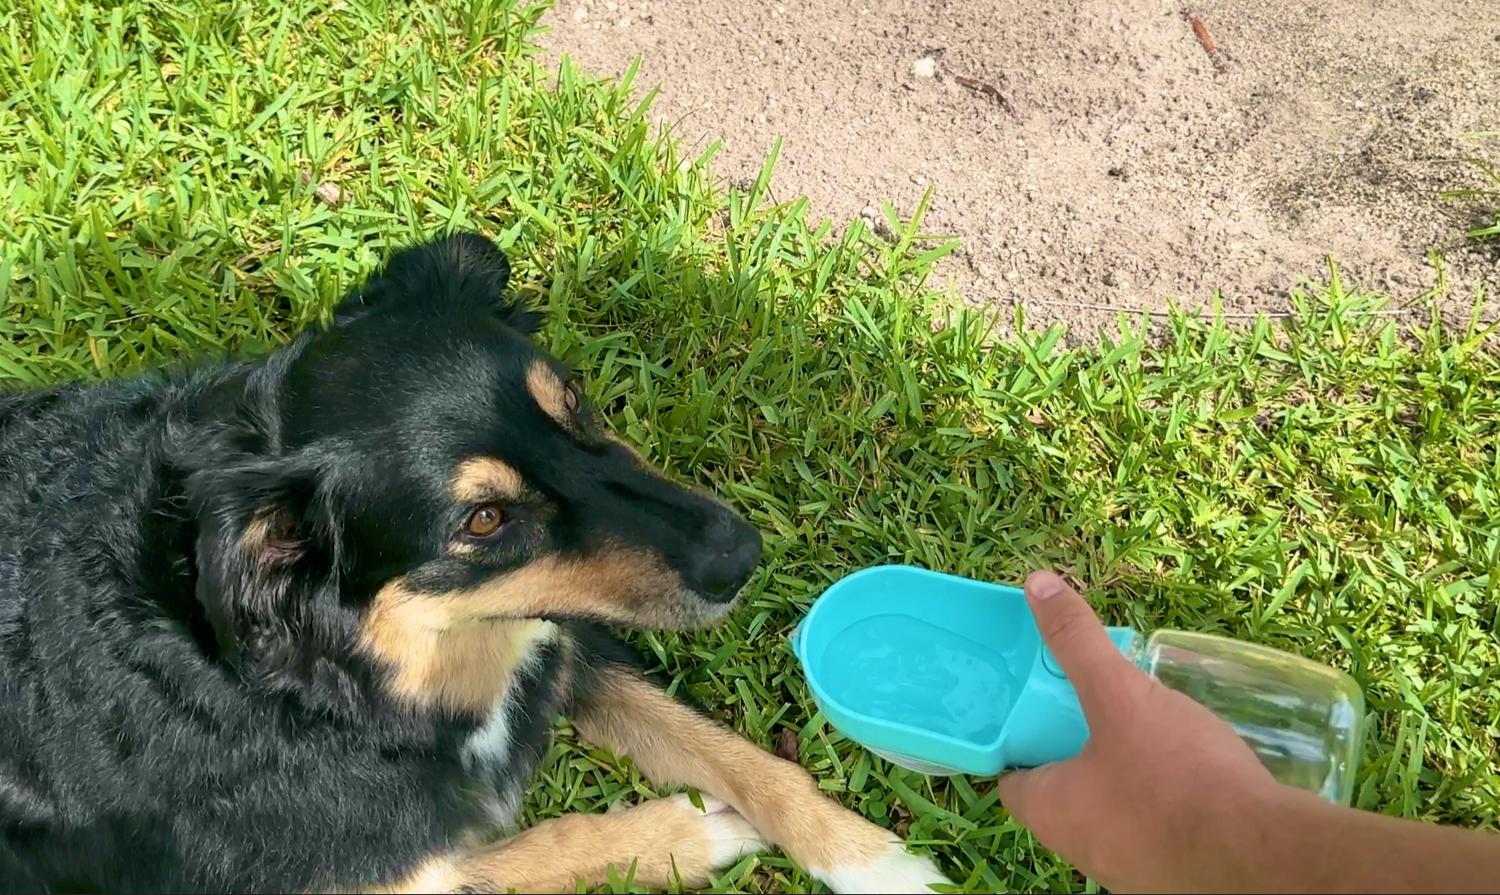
(422, 467)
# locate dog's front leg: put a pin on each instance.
(663, 840)
(670, 743)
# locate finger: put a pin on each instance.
(1013, 788)
(1095, 667)
(1039, 799)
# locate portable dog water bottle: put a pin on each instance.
(947, 675)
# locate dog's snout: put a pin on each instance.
(728, 559)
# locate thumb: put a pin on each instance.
(1038, 798)
(1018, 790)
(1094, 665)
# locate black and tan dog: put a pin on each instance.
(304, 623)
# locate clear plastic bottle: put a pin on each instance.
(1303, 719)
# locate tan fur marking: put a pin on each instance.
(652, 469)
(670, 743)
(463, 667)
(562, 685)
(619, 585)
(549, 391)
(634, 451)
(484, 478)
(440, 874)
(267, 539)
(659, 837)
(257, 532)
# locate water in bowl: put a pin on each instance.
(897, 668)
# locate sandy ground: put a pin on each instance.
(1115, 162)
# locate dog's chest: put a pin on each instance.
(502, 754)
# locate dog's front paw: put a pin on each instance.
(728, 835)
(894, 870)
(699, 842)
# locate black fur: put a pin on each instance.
(181, 713)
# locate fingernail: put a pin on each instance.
(1044, 587)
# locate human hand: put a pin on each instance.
(1164, 795)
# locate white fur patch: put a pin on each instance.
(729, 835)
(490, 745)
(897, 872)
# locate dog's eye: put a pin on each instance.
(484, 521)
(570, 397)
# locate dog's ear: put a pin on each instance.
(465, 271)
(268, 538)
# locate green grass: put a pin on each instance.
(1483, 200)
(1328, 484)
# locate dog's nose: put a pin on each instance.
(728, 560)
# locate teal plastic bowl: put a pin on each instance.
(940, 674)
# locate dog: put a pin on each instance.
(304, 623)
